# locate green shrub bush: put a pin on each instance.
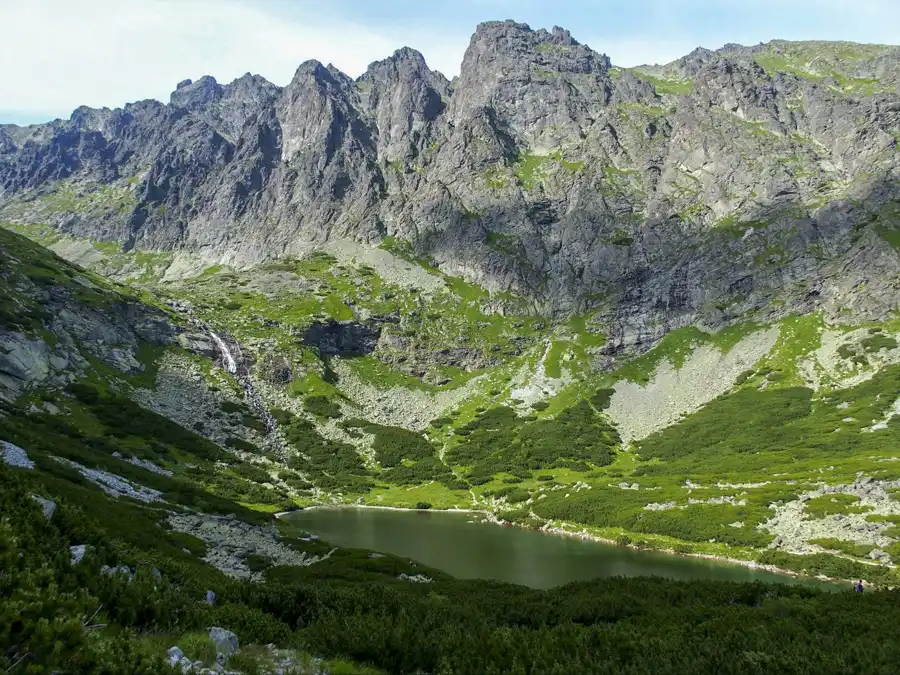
(322, 406)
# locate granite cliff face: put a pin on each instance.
(699, 191)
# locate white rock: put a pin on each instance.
(114, 485)
(15, 456)
(121, 569)
(76, 553)
(416, 578)
(149, 466)
(175, 655)
(878, 554)
(226, 641)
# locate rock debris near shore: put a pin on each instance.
(794, 530)
(229, 541)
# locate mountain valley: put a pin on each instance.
(653, 306)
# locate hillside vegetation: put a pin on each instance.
(653, 306)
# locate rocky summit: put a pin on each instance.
(665, 195)
(654, 307)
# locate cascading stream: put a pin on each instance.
(227, 358)
(233, 362)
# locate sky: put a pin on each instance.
(56, 55)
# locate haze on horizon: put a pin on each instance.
(59, 55)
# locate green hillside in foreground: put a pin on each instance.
(146, 445)
(393, 384)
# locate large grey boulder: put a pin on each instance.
(174, 655)
(879, 555)
(76, 553)
(226, 641)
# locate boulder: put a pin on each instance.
(198, 343)
(174, 654)
(879, 555)
(210, 598)
(25, 361)
(76, 553)
(226, 641)
(121, 569)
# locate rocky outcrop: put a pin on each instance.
(114, 485)
(342, 338)
(13, 455)
(55, 321)
(543, 170)
(48, 507)
(226, 642)
(794, 531)
(230, 541)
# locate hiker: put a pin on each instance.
(859, 586)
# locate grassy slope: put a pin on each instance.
(844, 67)
(505, 465)
(336, 609)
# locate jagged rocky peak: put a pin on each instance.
(555, 48)
(532, 80)
(249, 87)
(689, 65)
(404, 66)
(196, 95)
(91, 119)
(226, 108)
(403, 96)
(598, 186)
(311, 110)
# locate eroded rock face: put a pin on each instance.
(60, 320)
(543, 170)
(342, 338)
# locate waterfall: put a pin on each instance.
(227, 358)
(233, 362)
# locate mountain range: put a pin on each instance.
(656, 306)
(663, 196)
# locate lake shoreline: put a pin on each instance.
(492, 518)
(750, 564)
(281, 514)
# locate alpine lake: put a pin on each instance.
(464, 545)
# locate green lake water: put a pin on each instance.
(451, 542)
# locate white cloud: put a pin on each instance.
(59, 54)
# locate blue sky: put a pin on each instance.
(59, 54)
